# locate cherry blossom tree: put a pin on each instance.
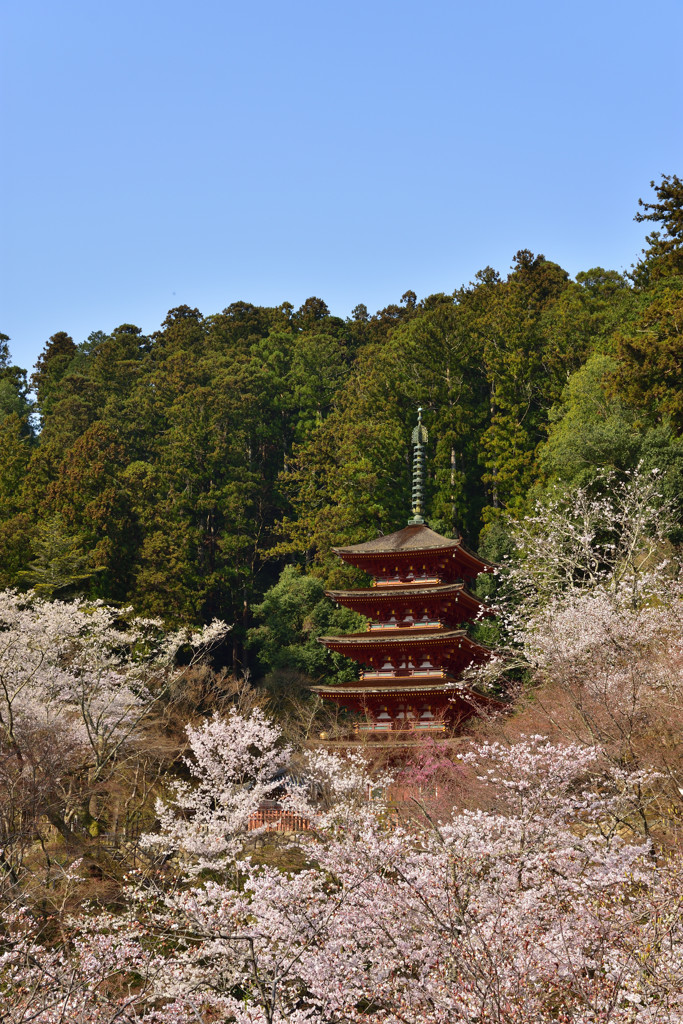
(546, 904)
(545, 900)
(100, 977)
(79, 679)
(594, 613)
(86, 663)
(235, 764)
(610, 536)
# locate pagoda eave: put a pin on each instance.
(382, 691)
(408, 638)
(454, 600)
(355, 557)
(445, 695)
(384, 637)
(397, 593)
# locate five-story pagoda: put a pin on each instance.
(416, 646)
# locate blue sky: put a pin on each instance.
(164, 153)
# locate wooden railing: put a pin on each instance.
(273, 819)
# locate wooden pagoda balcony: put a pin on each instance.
(386, 674)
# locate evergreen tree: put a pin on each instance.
(13, 387)
(649, 374)
(53, 362)
(59, 566)
(664, 255)
(590, 429)
(294, 612)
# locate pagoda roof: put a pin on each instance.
(446, 688)
(408, 635)
(393, 636)
(406, 689)
(410, 540)
(391, 593)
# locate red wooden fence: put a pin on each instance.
(273, 819)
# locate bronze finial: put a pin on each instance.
(419, 439)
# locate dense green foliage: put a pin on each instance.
(293, 614)
(183, 471)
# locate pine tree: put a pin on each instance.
(59, 566)
(664, 255)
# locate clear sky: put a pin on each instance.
(160, 152)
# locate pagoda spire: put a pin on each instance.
(418, 440)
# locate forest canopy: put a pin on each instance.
(181, 472)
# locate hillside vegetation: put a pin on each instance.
(168, 505)
(526, 873)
